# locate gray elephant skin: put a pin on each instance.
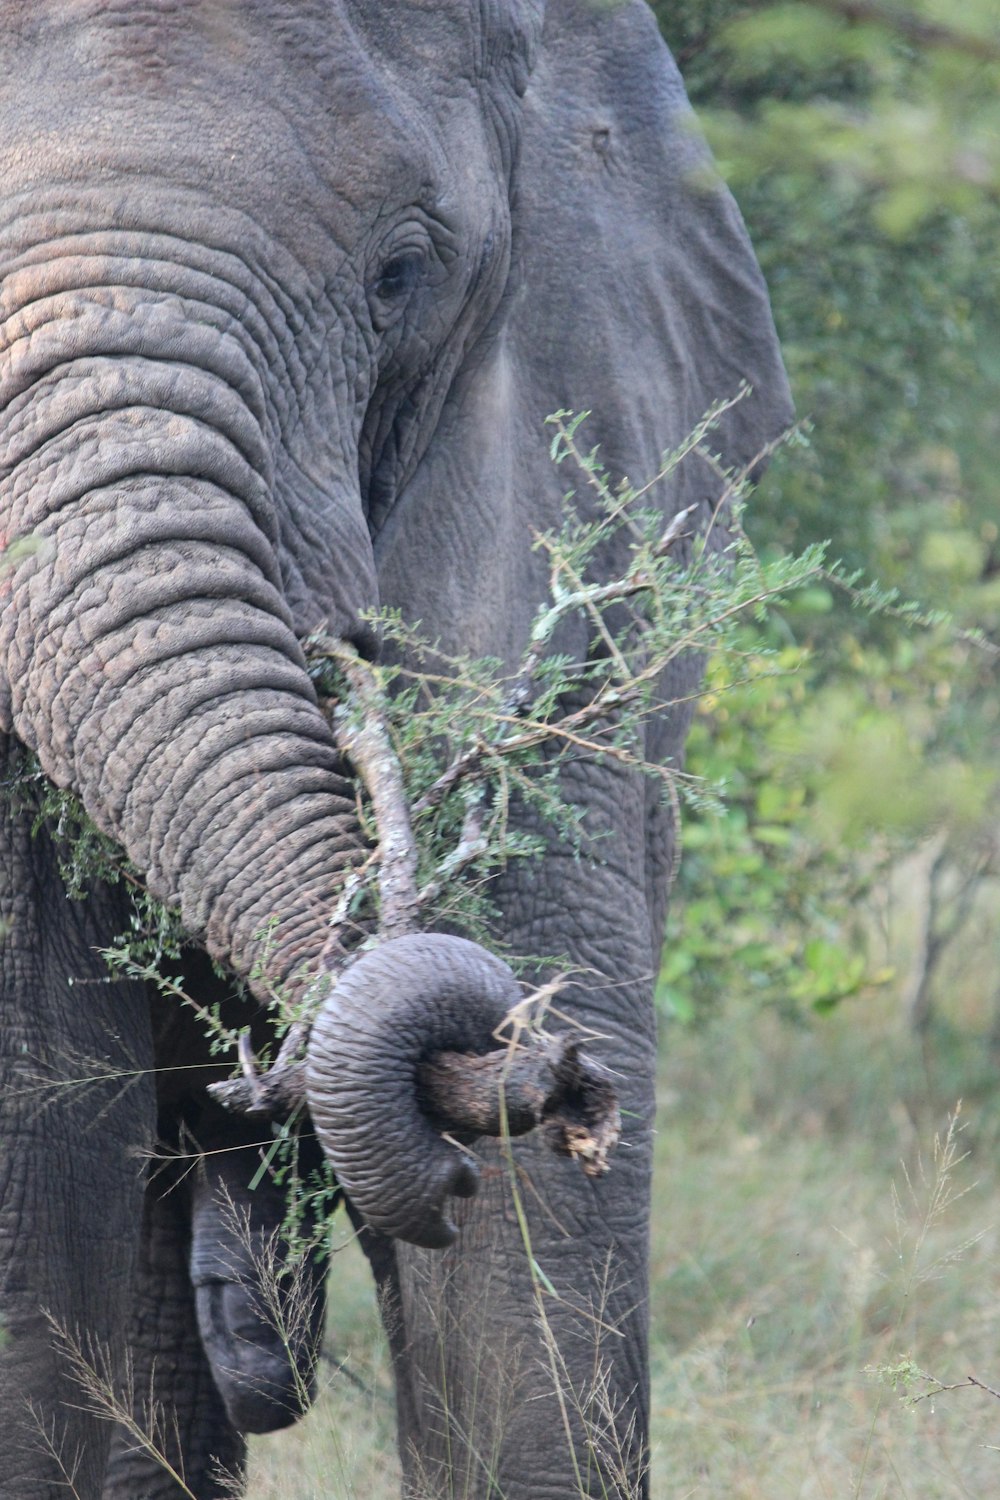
(289, 287)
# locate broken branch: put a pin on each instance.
(548, 1083)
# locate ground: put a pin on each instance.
(805, 1235)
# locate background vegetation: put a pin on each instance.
(831, 985)
(866, 157)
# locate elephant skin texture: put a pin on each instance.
(288, 290)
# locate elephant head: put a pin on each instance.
(244, 263)
(288, 291)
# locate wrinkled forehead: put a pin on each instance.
(470, 40)
(307, 110)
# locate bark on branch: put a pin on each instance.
(547, 1082)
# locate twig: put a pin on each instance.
(968, 1383)
(472, 844)
(363, 734)
(547, 1082)
(274, 1094)
(471, 761)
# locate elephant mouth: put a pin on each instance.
(259, 1310)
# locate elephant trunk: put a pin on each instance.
(147, 653)
(390, 1012)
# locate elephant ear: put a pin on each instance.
(635, 295)
(642, 296)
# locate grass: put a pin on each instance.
(805, 1235)
(346, 1446)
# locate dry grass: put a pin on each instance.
(345, 1449)
(804, 1234)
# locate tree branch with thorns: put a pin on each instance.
(440, 831)
(441, 746)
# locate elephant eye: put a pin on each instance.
(397, 278)
(398, 275)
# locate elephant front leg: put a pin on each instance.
(76, 1119)
(525, 1345)
(178, 1440)
(227, 1324)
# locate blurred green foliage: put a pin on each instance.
(863, 142)
(757, 884)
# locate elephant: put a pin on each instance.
(289, 289)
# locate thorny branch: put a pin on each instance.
(473, 760)
(969, 1383)
(542, 1081)
(538, 1079)
(362, 733)
(545, 1081)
